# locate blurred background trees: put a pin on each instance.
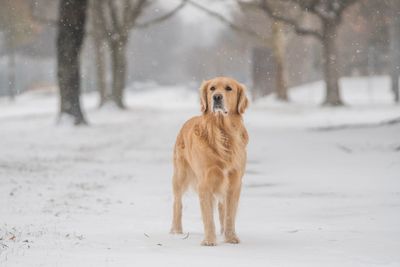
(113, 22)
(394, 33)
(249, 23)
(328, 16)
(135, 44)
(17, 29)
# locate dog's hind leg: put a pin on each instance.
(179, 186)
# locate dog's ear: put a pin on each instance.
(203, 97)
(243, 102)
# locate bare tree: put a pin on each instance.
(278, 46)
(71, 24)
(329, 13)
(18, 28)
(99, 42)
(394, 30)
(117, 19)
(10, 50)
(276, 42)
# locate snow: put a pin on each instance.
(101, 196)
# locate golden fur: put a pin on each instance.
(210, 156)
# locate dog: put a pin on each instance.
(210, 156)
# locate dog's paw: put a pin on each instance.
(232, 239)
(209, 243)
(176, 231)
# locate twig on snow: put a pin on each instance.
(344, 148)
(186, 236)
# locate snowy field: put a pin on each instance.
(322, 186)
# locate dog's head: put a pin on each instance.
(223, 95)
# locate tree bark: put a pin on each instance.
(330, 59)
(99, 41)
(11, 71)
(394, 32)
(71, 24)
(101, 72)
(118, 54)
(278, 46)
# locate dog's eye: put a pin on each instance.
(212, 88)
(228, 88)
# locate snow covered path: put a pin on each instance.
(101, 196)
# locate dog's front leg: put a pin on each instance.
(206, 204)
(207, 187)
(231, 202)
(221, 212)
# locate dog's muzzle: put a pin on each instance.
(218, 104)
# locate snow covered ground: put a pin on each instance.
(101, 196)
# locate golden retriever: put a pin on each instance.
(210, 156)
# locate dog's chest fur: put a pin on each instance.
(224, 138)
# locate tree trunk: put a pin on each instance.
(394, 31)
(330, 58)
(11, 71)
(99, 51)
(101, 72)
(71, 24)
(278, 46)
(394, 77)
(118, 54)
(263, 72)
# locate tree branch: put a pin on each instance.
(331, 10)
(310, 7)
(134, 13)
(346, 4)
(227, 22)
(97, 29)
(127, 12)
(113, 15)
(161, 18)
(35, 17)
(107, 31)
(291, 22)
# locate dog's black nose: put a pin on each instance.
(217, 97)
